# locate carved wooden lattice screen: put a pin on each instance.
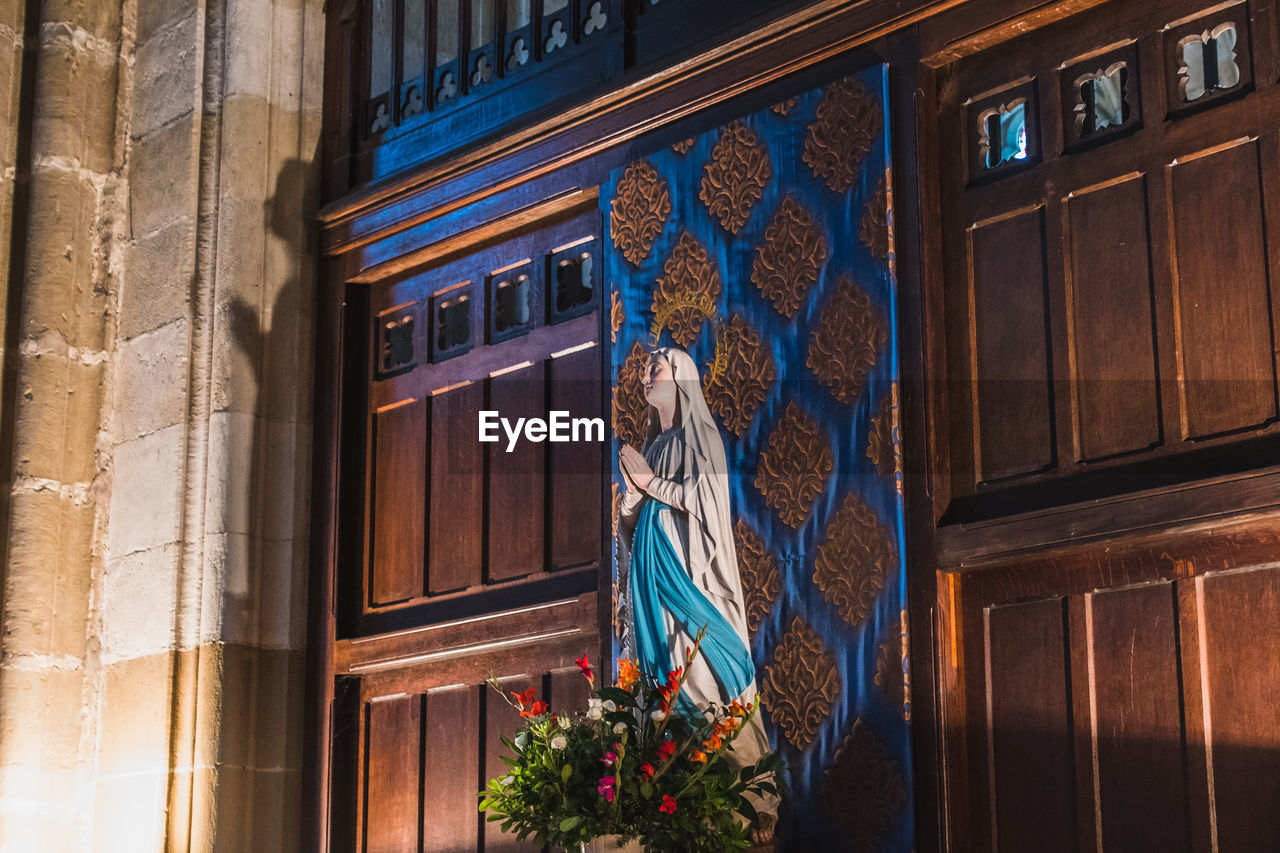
(767, 244)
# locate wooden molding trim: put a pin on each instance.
(775, 50)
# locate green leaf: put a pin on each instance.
(570, 823)
(566, 773)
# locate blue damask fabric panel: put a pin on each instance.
(764, 247)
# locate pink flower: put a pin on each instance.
(668, 805)
(609, 758)
(605, 788)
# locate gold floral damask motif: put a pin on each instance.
(639, 209)
(800, 684)
(863, 789)
(735, 177)
(884, 439)
(687, 290)
(760, 581)
(784, 108)
(875, 221)
(734, 394)
(617, 316)
(787, 263)
(616, 504)
(684, 146)
(846, 123)
(630, 409)
(794, 466)
(855, 560)
(845, 345)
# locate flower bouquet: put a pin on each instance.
(632, 766)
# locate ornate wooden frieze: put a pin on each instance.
(638, 211)
(735, 177)
(630, 409)
(863, 789)
(686, 292)
(789, 260)
(794, 465)
(855, 560)
(800, 684)
(684, 146)
(735, 393)
(396, 339)
(759, 569)
(451, 322)
(511, 302)
(573, 274)
(847, 121)
(884, 439)
(875, 221)
(617, 316)
(845, 345)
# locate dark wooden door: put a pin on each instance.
(460, 560)
(1105, 273)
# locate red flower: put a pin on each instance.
(646, 771)
(584, 666)
(536, 709)
(524, 698)
(667, 749)
(668, 805)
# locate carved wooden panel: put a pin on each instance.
(1029, 720)
(577, 497)
(1135, 722)
(452, 753)
(1225, 346)
(457, 490)
(391, 812)
(399, 484)
(1239, 680)
(1114, 372)
(502, 719)
(516, 504)
(1012, 410)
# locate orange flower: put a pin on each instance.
(628, 673)
(523, 699)
(712, 743)
(698, 756)
(536, 709)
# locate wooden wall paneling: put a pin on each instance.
(1136, 725)
(1111, 321)
(1079, 651)
(1240, 680)
(1032, 788)
(457, 490)
(958, 706)
(1008, 301)
(569, 691)
(1221, 296)
(1195, 743)
(503, 720)
(577, 481)
(516, 484)
(392, 774)
(399, 502)
(450, 818)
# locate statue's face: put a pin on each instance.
(658, 383)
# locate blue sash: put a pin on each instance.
(660, 582)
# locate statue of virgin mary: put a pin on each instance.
(676, 552)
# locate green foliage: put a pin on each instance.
(627, 767)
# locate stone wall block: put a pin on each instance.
(86, 391)
(96, 17)
(230, 605)
(280, 598)
(134, 727)
(146, 500)
(153, 15)
(129, 813)
(166, 81)
(162, 177)
(10, 85)
(151, 380)
(76, 99)
(47, 734)
(156, 286)
(40, 424)
(30, 596)
(233, 455)
(250, 38)
(60, 258)
(245, 131)
(140, 600)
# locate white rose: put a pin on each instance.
(559, 742)
(521, 740)
(594, 709)
(619, 728)
(610, 706)
(658, 715)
